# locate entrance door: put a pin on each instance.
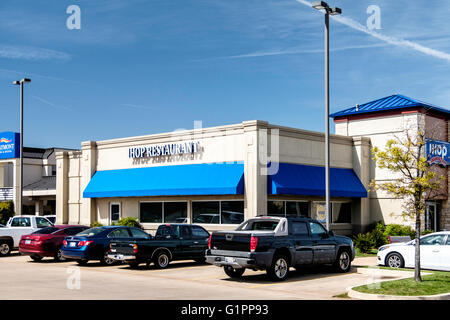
(431, 217)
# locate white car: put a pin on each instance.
(434, 253)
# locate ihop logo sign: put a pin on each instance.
(437, 152)
(9, 145)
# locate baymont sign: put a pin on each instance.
(170, 149)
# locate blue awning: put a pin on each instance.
(176, 180)
(310, 181)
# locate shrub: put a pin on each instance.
(428, 231)
(364, 242)
(96, 224)
(378, 236)
(399, 230)
(130, 222)
(6, 211)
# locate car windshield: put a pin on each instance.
(91, 232)
(268, 225)
(47, 230)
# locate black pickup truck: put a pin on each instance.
(171, 242)
(276, 243)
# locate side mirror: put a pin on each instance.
(331, 233)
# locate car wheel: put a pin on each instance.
(58, 255)
(5, 249)
(105, 260)
(395, 260)
(279, 269)
(36, 257)
(233, 273)
(343, 261)
(162, 260)
(82, 262)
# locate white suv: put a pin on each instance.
(17, 227)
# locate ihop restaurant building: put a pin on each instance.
(217, 177)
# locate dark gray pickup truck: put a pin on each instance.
(276, 243)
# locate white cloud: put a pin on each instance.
(31, 53)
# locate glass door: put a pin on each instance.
(431, 217)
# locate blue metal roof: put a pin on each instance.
(395, 101)
(310, 181)
(176, 180)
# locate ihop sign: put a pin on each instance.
(9, 145)
(171, 149)
(438, 152)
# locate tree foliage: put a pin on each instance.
(412, 180)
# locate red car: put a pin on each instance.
(47, 242)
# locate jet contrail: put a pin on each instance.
(391, 40)
(292, 51)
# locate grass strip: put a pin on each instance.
(435, 283)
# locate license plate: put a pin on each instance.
(230, 260)
(72, 244)
(27, 241)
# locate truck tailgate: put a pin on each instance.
(234, 240)
(122, 247)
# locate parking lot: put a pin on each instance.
(21, 278)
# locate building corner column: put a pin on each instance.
(255, 190)
(62, 187)
(88, 166)
(361, 157)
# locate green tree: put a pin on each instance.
(414, 180)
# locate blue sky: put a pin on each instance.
(147, 66)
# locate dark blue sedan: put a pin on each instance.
(93, 244)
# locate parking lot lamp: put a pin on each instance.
(321, 5)
(20, 83)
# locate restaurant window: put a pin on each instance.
(288, 208)
(175, 212)
(151, 212)
(218, 212)
(276, 208)
(297, 208)
(232, 212)
(341, 212)
(162, 212)
(206, 211)
(114, 210)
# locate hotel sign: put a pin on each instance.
(169, 149)
(9, 145)
(437, 152)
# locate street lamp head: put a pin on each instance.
(319, 5)
(16, 82)
(25, 80)
(335, 11)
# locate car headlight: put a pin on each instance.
(383, 248)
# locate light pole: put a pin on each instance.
(21, 82)
(321, 5)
